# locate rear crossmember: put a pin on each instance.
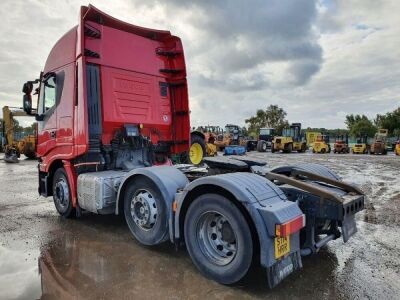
(327, 204)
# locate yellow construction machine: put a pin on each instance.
(203, 143)
(361, 147)
(379, 144)
(321, 144)
(14, 148)
(291, 140)
(397, 148)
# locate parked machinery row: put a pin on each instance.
(214, 139)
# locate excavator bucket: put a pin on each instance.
(11, 155)
(11, 158)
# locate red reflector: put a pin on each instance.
(291, 226)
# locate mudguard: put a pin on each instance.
(168, 179)
(266, 204)
(309, 167)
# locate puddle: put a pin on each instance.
(19, 274)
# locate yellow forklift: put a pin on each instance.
(321, 144)
(291, 140)
(361, 145)
(14, 148)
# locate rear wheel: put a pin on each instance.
(145, 211)
(62, 194)
(289, 148)
(261, 146)
(197, 149)
(323, 150)
(218, 238)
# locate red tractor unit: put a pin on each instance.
(113, 108)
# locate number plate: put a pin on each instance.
(282, 246)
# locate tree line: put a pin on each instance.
(275, 117)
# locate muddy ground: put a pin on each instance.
(45, 256)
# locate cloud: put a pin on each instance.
(316, 59)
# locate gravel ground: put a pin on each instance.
(45, 256)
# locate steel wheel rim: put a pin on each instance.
(144, 210)
(216, 238)
(62, 193)
(196, 153)
(264, 146)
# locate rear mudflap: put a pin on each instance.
(283, 268)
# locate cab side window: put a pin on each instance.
(49, 93)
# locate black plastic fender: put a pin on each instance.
(309, 167)
(167, 178)
(265, 203)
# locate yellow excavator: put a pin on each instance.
(14, 148)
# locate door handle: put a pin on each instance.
(53, 134)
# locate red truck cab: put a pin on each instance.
(100, 77)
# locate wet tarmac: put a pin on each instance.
(45, 256)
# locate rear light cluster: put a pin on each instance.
(292, 226)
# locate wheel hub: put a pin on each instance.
(196, 153)
(62, 192)
(216, 238)
(144, 209)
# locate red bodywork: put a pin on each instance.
(134, 63)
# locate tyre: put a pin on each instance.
(197, 149)
(261, 146)
(218, 239)
(62, 196)
(146, 212)
(289, 148)
(323, 150)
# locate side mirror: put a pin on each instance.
(27, 103)
(27, 87)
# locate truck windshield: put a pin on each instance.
(266, 131)
(230, 129)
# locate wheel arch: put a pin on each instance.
(168, 179)
(54, 166)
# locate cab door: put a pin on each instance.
(47, 115)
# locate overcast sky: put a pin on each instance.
(319, 60)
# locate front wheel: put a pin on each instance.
(62, 194)
(218, 239)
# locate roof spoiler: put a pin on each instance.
(91, 13)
